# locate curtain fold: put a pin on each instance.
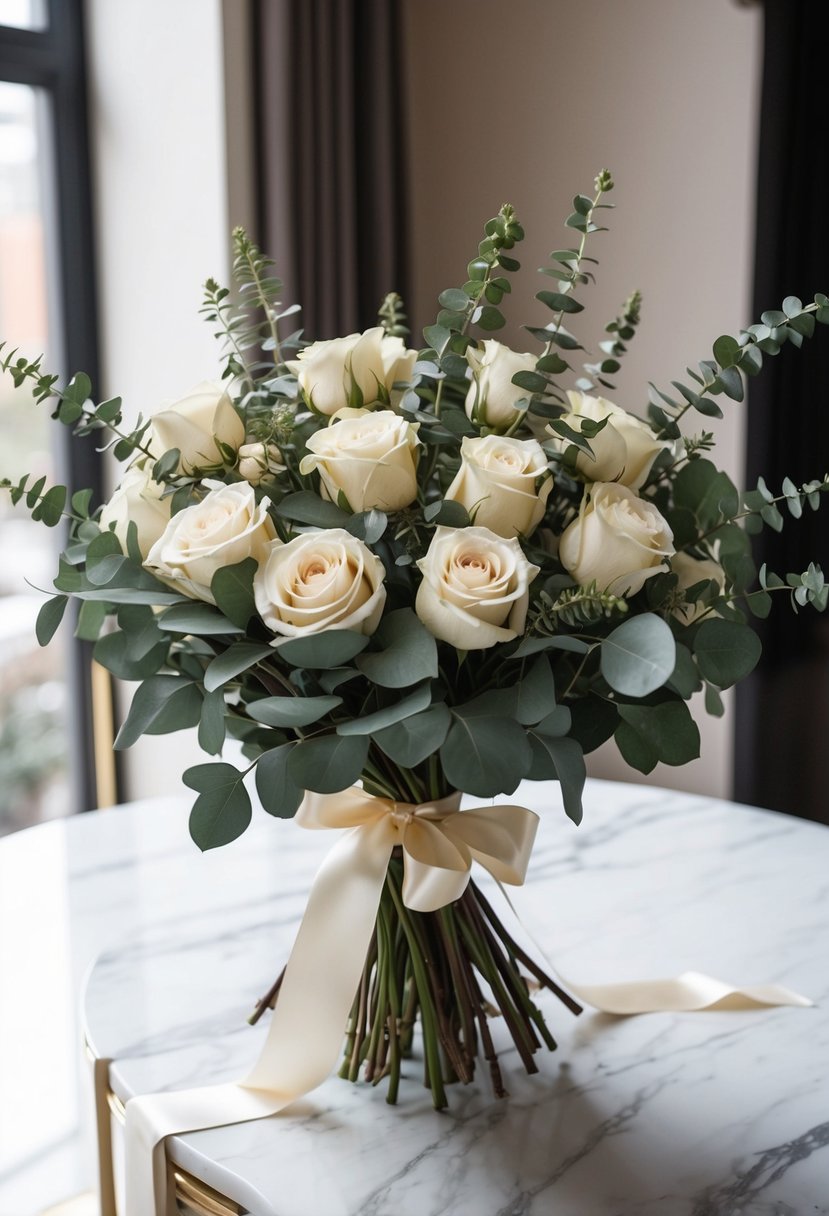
(783, 710)
(331, 140)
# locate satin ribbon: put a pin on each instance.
(439, 843)
(305, 1037)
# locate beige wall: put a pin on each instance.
(524, 102)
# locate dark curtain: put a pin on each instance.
(331, 136)
(783, 711)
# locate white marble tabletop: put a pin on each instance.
(698, 1114)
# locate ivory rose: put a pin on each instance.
(197, 425)
(320, 580)
(692, 570)
(504, 482)
(137, 499)
(370, 456)
(491, 398)
(226, 527)
(258, 461)
(357, 370)
(624, 449)
(618, 540)
(475, 588)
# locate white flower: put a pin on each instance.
(692, 570)
(618, 540)
(320, 580)
(137, 499)
(329, 372)
(196, 425)
(624, 449)
(475, 588)
(504, 482)
(370, 456)
(398, 363)
(491, 398)
(258, 461)
(226, 527)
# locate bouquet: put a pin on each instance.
(395, 576)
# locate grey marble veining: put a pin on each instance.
(700, 1114)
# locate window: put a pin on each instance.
(46, 304)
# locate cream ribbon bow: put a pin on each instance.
(305, 1036)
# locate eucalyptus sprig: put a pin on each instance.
(624, 327)
(734, 358)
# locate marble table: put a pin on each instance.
(698, 1114)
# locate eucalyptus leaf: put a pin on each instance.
(232, 662)
(322, 651)
(668, 730)
(485, 756)
(329, 763)
(49, 617)
(409, 652)
(212, 723)
(278, 794)
(197, 618)
(152, 697)
(726, 651)
(305, 507)
(413, 739)
(292, 711)
(639, 655)
(413, 703)
(222, 811)
(562, 760)
(232, 589)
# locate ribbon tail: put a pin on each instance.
(307, 1027)
(688, 993)
(691, 992)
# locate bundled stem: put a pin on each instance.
(454, 969)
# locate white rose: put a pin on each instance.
(491, 398)
(320, 580)
(618, 540)
(259, 460)
(224, 528)
(398, 364)
(624, 449)
(504, 481)
(329, 372)
(690, 571)
(196, 425)
(370, 456)
(137, 499)
(475, 588)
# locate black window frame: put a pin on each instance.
(54, 59)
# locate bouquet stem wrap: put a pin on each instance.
(439, 843)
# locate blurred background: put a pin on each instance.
(364, 143)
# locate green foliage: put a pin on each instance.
(328, 763)
(575, 606)
(408, 652)
(649, 734)
(613, 349)
(410, 714)
(222, 811)
(412, 740)
(279, 795)
(735, 358)
(392, 316)
(485, 755)
(639, 655)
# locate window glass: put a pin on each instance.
(33, 775)
(24, 14)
